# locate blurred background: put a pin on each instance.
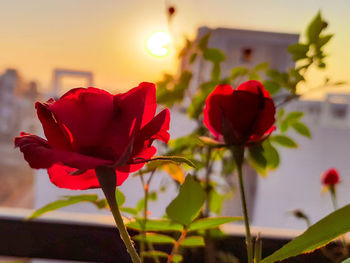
(49, 47)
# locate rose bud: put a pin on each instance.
(171, 10)
(89, 128)
(241, 116)
(330, 177)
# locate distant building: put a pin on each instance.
(17, 113)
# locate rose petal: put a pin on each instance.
(38, 153)
(53, 133)
(156, 128)
(86, 113)
(60, 175)
(214, 105)
(146, 153)
(254, 87)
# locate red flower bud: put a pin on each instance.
(88, 128)
(330, 177)
(171, 10)
(241, 116)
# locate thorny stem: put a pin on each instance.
(238, 155)
(107, 179)
(177, 244)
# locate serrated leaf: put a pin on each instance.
(186, 206)
(67, 201)
(272, 86)
(302, 129)
(155, 225)
(284, 141)
(193, 241)
(212, 222)
(154, 238)
(120, 197)
(176, 159)
(316, 236)
(214, 55)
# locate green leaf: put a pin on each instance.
(177, 258)
(284, 141)
(186, 206)
(256, 153)
(176, 159)
(209, 141)
(271, 155)
(254, 76)
(154, 238)
(214, 55)
(294, 116)
(215, 201)
(155, 225)
(215, 72)
(316, 236)
(67, 201)
(203, 42)
(129, 210)
(120, 197)
(272, 86)
(346, 260)
(299, 51)
(193, 241)
(212, 222)
(315, 28)
(261, 66)
(154, 253)
(324, 40)
(284, 126)
(280, 113)
(302, 129)
(239, 72)
(193, 58)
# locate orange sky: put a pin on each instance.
(107, 37)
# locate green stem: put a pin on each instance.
(108, 182)
(145, 186)
(238, 154)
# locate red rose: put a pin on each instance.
(330, 177)
(87, 128)
(240, 116)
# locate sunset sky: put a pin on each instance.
(107, 37)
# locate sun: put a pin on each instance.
(158, 44)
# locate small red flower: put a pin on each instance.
(241, 116)
(330, 177)
(87, 128)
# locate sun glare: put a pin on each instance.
(158, 44)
